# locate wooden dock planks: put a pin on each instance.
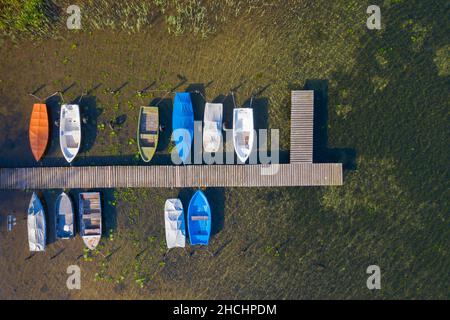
(302, 121)
(294, 174)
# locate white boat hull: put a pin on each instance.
(70, 131)
(64, 223)
(37, 235)
(174, 223)
(212, 130)
(243, 132)
(90, 218)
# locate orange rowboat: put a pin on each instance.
(39, 130)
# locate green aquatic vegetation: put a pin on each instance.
(190, 16)
(23, 16)
(130, 105)
(140, 281)
(343, 110)
(87, 255)
(111, 235)
(442, 61)
(379, 83)
(364, 189)
(418, 33)
(175, 25)
(170, 147)
(161, 4)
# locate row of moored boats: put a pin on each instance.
(90, 220)
(70, 129)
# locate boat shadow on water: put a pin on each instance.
(322, 154)
(165, 110)
(89, 113)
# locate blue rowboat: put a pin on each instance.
(183, 125)
(199, 219)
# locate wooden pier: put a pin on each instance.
(302, 120)
(300, 172)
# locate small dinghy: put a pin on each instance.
(243, 132)
(199, 219)
(183, 124)
(37, 234)
(148, 132)
(64, 221)
(39, 130)
(70, 131)
(90, 218)
(212, 130)
(174, 221)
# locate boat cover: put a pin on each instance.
(174, 222)
(64, 217)
(70, 131)
(243, 132)
(36, 225)
(183, 124)
(212, 131)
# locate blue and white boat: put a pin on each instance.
(183, 125)
(199, 219)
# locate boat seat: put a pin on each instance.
(71, 126)
(91, 216)
(243, 139)
(147, 136)
(174, 211)
(95, 231)
(199, 218)
(70, 142)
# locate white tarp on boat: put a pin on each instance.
(243, 132)
(70, 131)
(212, 131)
(64, 217)
(36, 225)
(175, 225)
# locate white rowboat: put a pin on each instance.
(212, 130)
(174, 222)
(70, 131)
(243, 133)
(37, 234)
(90, 218)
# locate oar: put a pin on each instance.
(234, 101)
(201, 94)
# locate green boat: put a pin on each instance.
(148, 132)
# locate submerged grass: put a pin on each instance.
(23, 16)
